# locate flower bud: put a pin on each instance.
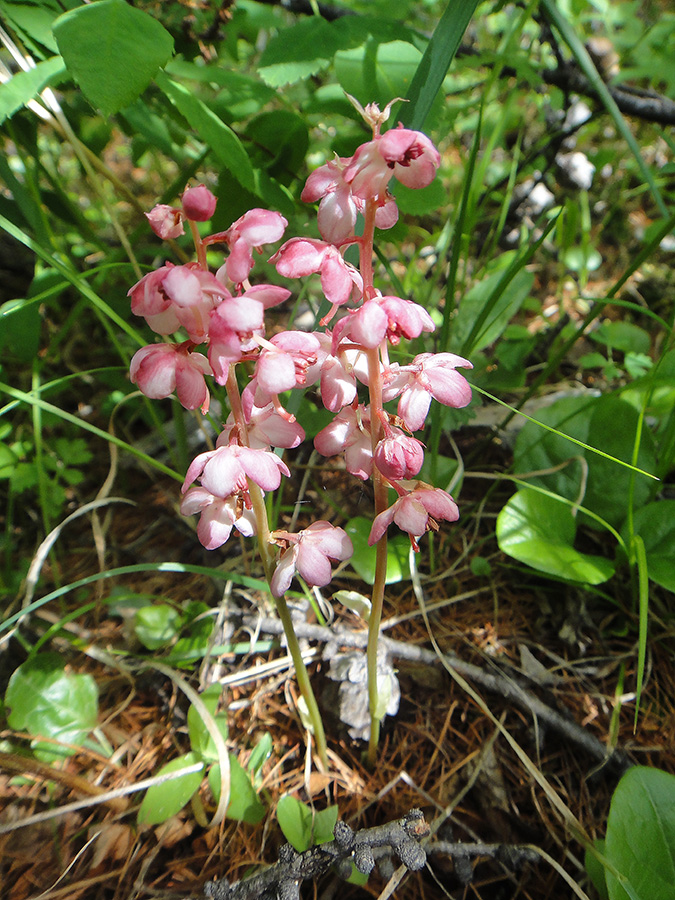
(399, 456)
(199, 204)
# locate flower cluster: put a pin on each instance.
(222, 314)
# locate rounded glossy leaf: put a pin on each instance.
(539, 531)
(46, 701)
(200, 739)
(157, 626)
(641, 836)
(655, 523)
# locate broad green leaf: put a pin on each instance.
(164, 800)
(655, 523)
(324, 824)
(298, 52)
(46, 701)
(223, 142)
(364, 557)
(21, 327)
(640, 839)
(157, 626)
(33, 21)
(539, 531)
(622, 336)
(200, 740)
(113, 51)
(245, 805)
(295, 821)
(24, 86)
(260, 754)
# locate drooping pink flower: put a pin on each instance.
(199, 204)
(255, 228)
(398, 455)
(161, 369)
(266, 428)
(366, 326)
(310, 554)
(405, 319)
(218, 515)
(349, 433)
(416, 512)
(337, 209)
(166, 221)
(172, 297)
(299, 257)
(430, 375)
(409, 156)
(224, 471)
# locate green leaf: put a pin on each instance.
(298, 52)
(157, 626)
(364, 557)
(20, 334)
(281, 140)
(295, 821)
(608, 423)
(45, 700)
(200, 740)
(655, 523)
(539, 531)
(113, 51)
(324, 824)
(640, 839)
(436, 61)
(223, 142)
(596, 870)
(622, 336)
(244, 805)
(501, 308)
(24, 86)
(164, 800)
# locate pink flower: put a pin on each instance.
(409, 156)
(337, 209)
(405, 318)
(399, 456)
(255, 228)
(224, 471)
(218, 515)
(161, 369)
(166, 221)
(298, 257)
(172, 297)
(266, 428)
(430, 375)
(310, 555)
(415, 513)
(349, 433)
(381, 317)
(199, 204)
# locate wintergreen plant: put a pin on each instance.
(225, 313)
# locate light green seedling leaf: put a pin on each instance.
(640, 839)
(324, 824)
(157, 626)
(295, 821)
(655, 523)
(357, 603)
(24, 86)
(164, 800)
(364, 558)
(260, 754)
(112, 50)
(245, 805)
(45, 700)
(596, 870)
(200, 740)
(539, 531)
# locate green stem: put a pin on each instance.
(267, 555)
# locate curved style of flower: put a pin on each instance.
(310, 554)
(416, 512)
